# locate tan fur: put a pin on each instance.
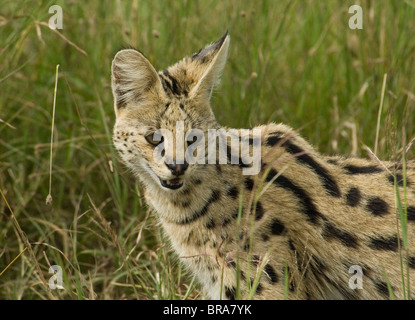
(315, 216)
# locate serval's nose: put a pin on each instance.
(177, 169)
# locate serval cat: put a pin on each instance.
(300, 226)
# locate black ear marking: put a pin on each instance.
(211, 61)
(204, 55)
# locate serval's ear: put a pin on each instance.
(133, 79)
(210, 61)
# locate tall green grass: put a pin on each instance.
(290, 61)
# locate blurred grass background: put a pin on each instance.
(290, 61)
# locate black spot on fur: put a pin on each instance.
(351, 169)
(411, 262)
(353, 197)
(233, 192)
(332, 161)
(382, 288)
(399, 180)
(215, 196)
(309, 208)
(185, 191)
(258, 289)
(210, 224)
(213, 266)
(276, 227)
(226, 221)
(274, 138)
(185, 204)
(197, 181)
(230, 292)
(205, 240)
(411, 213)
(377, 206)
(346, 238)
(272, 275)
(246, 246)
(264, 237)
(255, 260)
(235, 214)
(259, 211)
(383, 243)
(249, 184)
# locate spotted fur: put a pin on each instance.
(305, 217)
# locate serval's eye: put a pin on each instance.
(152, 139)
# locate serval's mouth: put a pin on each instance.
(173, 184)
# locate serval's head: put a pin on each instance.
(157, 112)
